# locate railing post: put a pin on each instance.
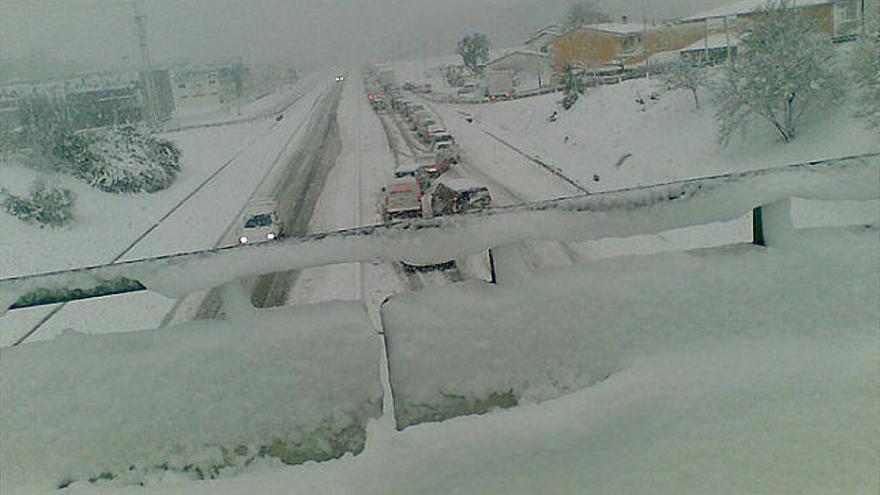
(506, 262)
(771, 223)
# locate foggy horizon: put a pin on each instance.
(307, 33)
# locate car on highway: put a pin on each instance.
(418, 118)
(454, 196)
(431, 131)
(401, 198)
(412, 109)
(429, 168)
(447, 150)
(261, 222)
(407, 168)
(340, 78)
(441, 137)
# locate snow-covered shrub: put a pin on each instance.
(784, 68)
(569, 100)
(121, 160)
(47, 205)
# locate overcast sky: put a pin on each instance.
(303, 32)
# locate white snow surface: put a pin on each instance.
(81, 405)
(740, 370)
(669, 140)
(749, 384)
(567, 328)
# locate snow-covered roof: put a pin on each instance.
(525, 53)
(552, 30)
(745, 7)
(718, 40)
(617, 28)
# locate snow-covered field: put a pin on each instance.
(668, 140)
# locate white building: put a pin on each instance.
(531, 70)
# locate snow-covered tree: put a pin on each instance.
(584, 12)
(45, 120)
(474, 50)
(684, 75)
(572, 86)
(865, 70)
(784, 68)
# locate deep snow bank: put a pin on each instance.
(297, 383)
(465, 350)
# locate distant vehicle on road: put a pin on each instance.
(430, 167)
(431, 131)
(418, 118)
(401, 199)
(499, 85)
(340, 78)
(406, 168)
(441, 137)
(261, 222)
(454, 196)
(412, 109)
(447, 150)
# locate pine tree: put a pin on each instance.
(474, 50)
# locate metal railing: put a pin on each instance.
(623, 213)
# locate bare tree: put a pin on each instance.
(584, 12)
(684, 75)
(784, 68)
(474, 50)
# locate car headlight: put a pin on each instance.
(270, 236)
(242, 240)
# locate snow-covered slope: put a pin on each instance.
(607, 133)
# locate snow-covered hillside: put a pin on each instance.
(607, 133)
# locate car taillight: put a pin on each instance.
(387, 198)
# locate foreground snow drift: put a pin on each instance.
(454, 352)
(296, 383)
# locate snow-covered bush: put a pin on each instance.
(47, 205)
(121, 160)
(783, 70)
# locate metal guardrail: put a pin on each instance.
(645, 210)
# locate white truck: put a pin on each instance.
(261, 222)
(499, 84)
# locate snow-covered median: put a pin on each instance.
(296, 383)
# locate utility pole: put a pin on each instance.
(139, 24)
(139, 21)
